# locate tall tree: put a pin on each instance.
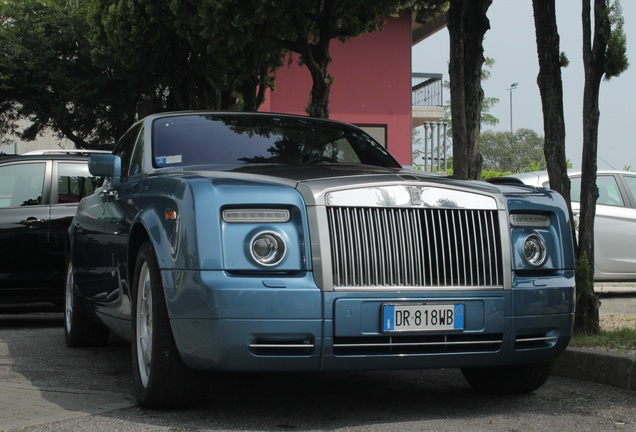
(551, 60)
(195, 54)
(240, 32)
(467, 25)
(141, 36)
(604, 55)
(46, 75)
(551, 88)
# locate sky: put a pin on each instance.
(511, 43)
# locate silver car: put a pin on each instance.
(615, 224)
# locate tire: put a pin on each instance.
(79, 329)
(513, 379)
(161, 379)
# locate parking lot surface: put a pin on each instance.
(45, 386)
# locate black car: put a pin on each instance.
(39, 194)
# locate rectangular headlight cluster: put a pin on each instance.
(529, 220)
(256, 215)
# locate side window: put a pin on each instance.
(608, 191)
(575, 189)
(74, 182)
(136, 161)
(630, 181)
(21, 184)
(124, 149)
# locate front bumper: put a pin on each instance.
(222, 322)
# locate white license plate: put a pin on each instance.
(422, 317)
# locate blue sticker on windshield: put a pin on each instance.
(167, 160)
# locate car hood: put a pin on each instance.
(313, 180)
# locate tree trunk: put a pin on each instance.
(587, 317)
(317, 63)
(551, 89)
(467, 24)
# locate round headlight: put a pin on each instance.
(535, 250)
(268, 248)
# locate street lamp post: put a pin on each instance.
(512, 87)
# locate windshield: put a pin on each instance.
(261, 139)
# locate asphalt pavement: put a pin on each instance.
(23, 404)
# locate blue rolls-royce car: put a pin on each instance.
(266, 242)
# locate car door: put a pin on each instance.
(72, 182)
(24, 226)
(101, 222)
(614, 228)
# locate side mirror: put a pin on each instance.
(105, 165)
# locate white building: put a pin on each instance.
(43, 142)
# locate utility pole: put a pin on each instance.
(512, 87)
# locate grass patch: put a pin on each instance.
(618, 339)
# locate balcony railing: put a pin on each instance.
(427, 89)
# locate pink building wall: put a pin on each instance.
(371, 87)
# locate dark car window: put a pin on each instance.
(124, 149)
(74, 182)
(136, 162)
(209, 139)
(21, 184)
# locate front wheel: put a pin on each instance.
(511, 379)
(161, 378)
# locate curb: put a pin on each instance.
(614, 288)
(610, 368)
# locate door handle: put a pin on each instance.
(32, 222)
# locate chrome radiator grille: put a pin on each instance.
(414, 247)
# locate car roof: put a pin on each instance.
(539, 178)
(42, 157)
(64, 152)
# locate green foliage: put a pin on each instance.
(211, 54)
(87, 69)
(428, 9)
(485, 174)
(488, 174)
(46, 75)
(564, 60)
(621, 340)
(192, 54)
(518, 152)
(616, 53)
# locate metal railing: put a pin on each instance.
(432, 150)
(427, 89)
